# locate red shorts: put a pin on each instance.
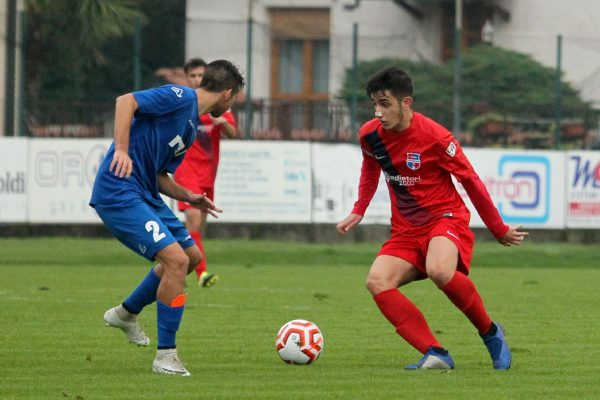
(194, 179)
(414, 248)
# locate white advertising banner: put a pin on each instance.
(61, 173)
(336, 172)
(13, 180)
(527, 187)
(264, 181)
(583, 189)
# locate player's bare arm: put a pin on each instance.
(203, 203)
(227, 129)
(124, 109)
(169, 187)
(348, 223)
(513, 237)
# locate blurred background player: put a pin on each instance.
(430, 235)
(153, 130)
(198, 170)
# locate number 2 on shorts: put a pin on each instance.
(153, 226)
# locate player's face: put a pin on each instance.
(391, 112)
(227, 100)
(194, 77)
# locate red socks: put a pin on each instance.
(410, 322)
(462, 292)
(407, 319)
(201, 267)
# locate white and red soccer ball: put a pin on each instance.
(299, 342)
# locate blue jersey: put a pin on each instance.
(163, 128)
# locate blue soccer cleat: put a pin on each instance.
(433, 359)
(498, 348)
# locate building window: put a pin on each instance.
(300, 54)
(320, 66)
(291, 63)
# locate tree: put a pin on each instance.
(65, 39)
(493, 79)
(79, 55)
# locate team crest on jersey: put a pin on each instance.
(177, 91)
(413, 160)
(451, 150)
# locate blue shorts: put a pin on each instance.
(144, 228)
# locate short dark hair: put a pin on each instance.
(394, 79)
(222, 75)
(194, 63)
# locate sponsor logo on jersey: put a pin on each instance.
(451, 150)
(413, 160)
(142, 248)
(402, 180)
(178, 91)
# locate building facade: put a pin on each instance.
(301, 47)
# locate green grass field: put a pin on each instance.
(53, 345)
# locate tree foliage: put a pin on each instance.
(493, 80)
(83, 49)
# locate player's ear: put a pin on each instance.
(406, 102)
(227, 94)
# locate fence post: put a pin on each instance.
(354, 102)
(457, 66)
(558, 98)
(137, 46)
(248, 103)
(11, 44)
(22, 71)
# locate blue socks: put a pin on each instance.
(144, 294)
(168, 320)
(168, 317)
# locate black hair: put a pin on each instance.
(394, 79)
(194, 63)
(222, 75)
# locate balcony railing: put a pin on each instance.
(323, 121)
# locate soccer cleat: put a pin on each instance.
(131, 329)
(167, 362)
(207, 280)
(498, 348)
(433, 359)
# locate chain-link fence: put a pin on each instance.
(310, 114)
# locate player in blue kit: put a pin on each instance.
(153, 129)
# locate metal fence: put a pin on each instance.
(323, 121)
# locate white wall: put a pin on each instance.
(534, 26)
(218, 29)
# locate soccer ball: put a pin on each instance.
(299, 342)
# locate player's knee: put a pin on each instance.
(439, 273)
(376, 284)
(177, 265)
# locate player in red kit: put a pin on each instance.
(430, 235)
(198, 170)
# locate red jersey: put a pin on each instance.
(199, 167)
(418, 163)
